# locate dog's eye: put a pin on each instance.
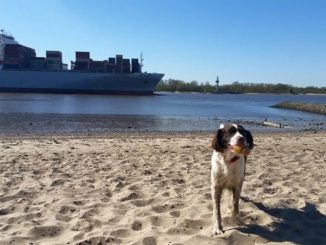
(232, 130)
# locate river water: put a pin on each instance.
(191, 108)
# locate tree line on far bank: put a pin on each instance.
(173, 85)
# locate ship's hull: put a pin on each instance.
(78, 82)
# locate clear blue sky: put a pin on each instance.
(240, 40)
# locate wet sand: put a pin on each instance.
(154, 189)
(29, 124)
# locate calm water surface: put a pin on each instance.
(163, 112)
(243, 106)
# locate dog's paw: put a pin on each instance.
(231, 213)
(217, 230)
(235, 214)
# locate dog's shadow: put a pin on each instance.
(301, 226)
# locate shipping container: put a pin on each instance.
(119, 59)
(54, 67)
(111, 60)
(126, 69)
(81, 66)
(38, 64)
(119, 63)
(111, 68)
(105, 65)
(39, 58)
(53, 62)
(26, 64)
(118, 68)
(11, 61)
(53, 54)
(82, 56)
(11, 66)
(126, 61)
(135, 67)
(126, 66)
(12, 50)
(18, 51)
(97, 66)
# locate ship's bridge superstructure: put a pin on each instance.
(5, 38)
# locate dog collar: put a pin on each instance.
(234, 159)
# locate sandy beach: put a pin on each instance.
(155, 189)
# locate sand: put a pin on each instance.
(155, 189)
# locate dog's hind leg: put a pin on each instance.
(216, 196)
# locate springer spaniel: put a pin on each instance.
(231, 144)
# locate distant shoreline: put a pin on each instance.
(194, 92)
(173, 85)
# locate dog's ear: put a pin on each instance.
(217, 143)
(247, 135)
(250, 139)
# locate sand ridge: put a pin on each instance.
(155, 189)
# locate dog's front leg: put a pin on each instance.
(216, 196)
(236, 196)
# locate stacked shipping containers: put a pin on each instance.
(98, 66)
(82, 61)
(118, 63)
(126, 66)
(111, 65)
(82, 56)
(111, 60)
(17, 56)
(38, 63)
(135, 67)
(54, 60)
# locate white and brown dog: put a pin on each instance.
(231, 144)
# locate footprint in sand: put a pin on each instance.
(137, 225)
(192, 224)
(167, 207)
(100, 240)
(131, 196)
(162, 221)
(120, 233)
(45, 231)
(178, 230)
(141, 202)
(149, 240)
(175, 213)
(57, 182)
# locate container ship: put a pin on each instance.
(22, 71)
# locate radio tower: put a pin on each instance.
(141, 61)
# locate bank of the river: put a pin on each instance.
(308, 107)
